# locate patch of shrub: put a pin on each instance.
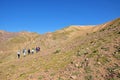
(113, 73)
(71, 62)
(103, 59)
(102, 30)
(118, 32)
(78, 53)
(60, 78)
(76, 73)
(87, 69)
(22, 75)
(40, 77)
(52, 74)
(89, 77)
(103, 40)
(111, 24)
(94, 53)
(116, 55)
(105, 48)
(57, 51)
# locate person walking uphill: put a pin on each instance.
(37, 49)
(33, 50)
(24, 52)
(18, 54)
(28, 51)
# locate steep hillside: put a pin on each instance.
(73, 53)
(97, 55)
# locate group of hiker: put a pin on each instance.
(29, 51)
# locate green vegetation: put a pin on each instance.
(105, 48)
(94, 53)
(103, 59)
(60, 78)
(18, 39)
(87, 69)
(113, 73)
(57, 51)
(58, 61)
(102, 30)
(89, 77)
(116, 55)
(76, 73)
(40, 77)
(22, 75)
(52, 74)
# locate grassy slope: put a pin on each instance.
(64, 55)
(97, 55)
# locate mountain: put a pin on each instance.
(72, 53)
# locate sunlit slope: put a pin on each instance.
(72, 53)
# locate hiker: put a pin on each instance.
(28, 51)
(18, 54)
(32, 50)
(37, 49)
(24, 52)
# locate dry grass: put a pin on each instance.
(86, 53)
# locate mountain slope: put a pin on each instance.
(97, 57)
(73, 53)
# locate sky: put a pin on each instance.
(44, 16)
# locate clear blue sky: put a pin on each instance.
(43, 16)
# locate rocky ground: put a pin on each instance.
(73, 53)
